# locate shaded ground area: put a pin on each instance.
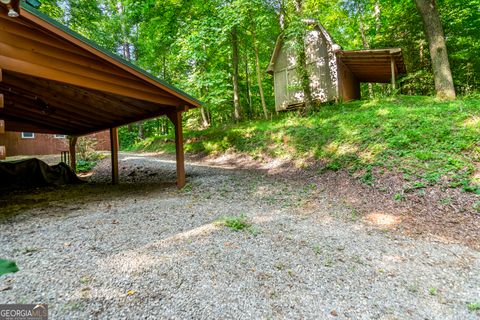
(143, 249)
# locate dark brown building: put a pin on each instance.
(29, 143)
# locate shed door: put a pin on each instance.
(294, 87)
(281, 90)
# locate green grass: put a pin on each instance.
(85, 166)
(235, 223)
(240, 223)
(7, 266)
(424, 140)
(474, 306)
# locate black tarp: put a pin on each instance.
(35, 173)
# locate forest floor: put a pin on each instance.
(412, 150)
(244, 240)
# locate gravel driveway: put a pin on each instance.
(144, 250)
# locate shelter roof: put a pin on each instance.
(373, 65)
(54, 80)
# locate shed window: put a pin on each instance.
(59, 136)
(28, 135)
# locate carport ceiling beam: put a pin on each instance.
(30, 68)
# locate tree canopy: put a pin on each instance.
(218, 50)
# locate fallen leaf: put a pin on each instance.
(5, 288)
(131, 292)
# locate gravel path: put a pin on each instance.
(144, 250)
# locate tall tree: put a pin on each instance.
(296, 31)
(438, 49)
(236, 91)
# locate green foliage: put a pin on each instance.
(188, 44)
(235, 223)
(7, 266)
(85, 166)
(86, 149)
(425, 140)
(476, 206)
(474, 306)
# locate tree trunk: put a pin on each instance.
(438, 49)
(305, 79)
(141, 131)
(248, 88)
(236, 95)
(302, 59)
(377, 15)
(281, 15)
(204, 117)
(366, 46)
(259, 73)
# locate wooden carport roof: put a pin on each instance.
(56, 81)
(374, 65)
(53, 80)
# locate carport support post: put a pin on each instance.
(176, 118)
(72, 141)
(114, 152)
(392, 67)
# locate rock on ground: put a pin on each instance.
(145, 250)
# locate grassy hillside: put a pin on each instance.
(428, 142)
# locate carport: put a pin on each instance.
(375, 65)
(53, 80)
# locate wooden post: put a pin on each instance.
(176, 118)
(73, 152)
(2, 101)
(2, 126)
(392, 67)
(3, 153)
(114, 153)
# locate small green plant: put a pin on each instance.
(235, 223)
(317, 249)
(354, 215)
(367, 177)
(85, 165)
(7, 266)
(398, 197)
(474, 306)
(413, 288)
(476, 206)
(328, 262)
(254, 231)
(446, 201)
(418, 185)
(187, 188)
(85, 280)
(432, 291)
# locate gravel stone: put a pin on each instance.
(145, 250)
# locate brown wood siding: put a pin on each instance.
(45, 144)
(349, 86)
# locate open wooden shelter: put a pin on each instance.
(53, 80)
(374, 65)
(334, 74)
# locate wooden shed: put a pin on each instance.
(53, 80)
(335, 74)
